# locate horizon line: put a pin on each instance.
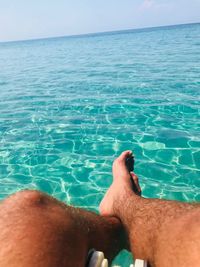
(100, 33)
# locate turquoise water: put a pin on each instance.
(69, 106)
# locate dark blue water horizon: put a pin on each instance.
(94, 34)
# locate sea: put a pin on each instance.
(70, 105)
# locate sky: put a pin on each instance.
(32, 19)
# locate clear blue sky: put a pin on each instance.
(27, 19)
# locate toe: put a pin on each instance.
(135, 183)
(124, 155)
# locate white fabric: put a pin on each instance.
(139, 263)
(98, 260)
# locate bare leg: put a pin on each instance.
(166, 233)
(37, 230)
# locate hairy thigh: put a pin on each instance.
(179, 242)
(37, 230)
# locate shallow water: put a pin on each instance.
(69, 106)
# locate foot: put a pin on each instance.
(122, 186)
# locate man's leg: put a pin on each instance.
(37, 230)
(166, 233)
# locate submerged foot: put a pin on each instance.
(122, 186)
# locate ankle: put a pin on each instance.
(123, 204)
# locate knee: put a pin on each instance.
(27, 198)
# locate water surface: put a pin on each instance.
(69, 106)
